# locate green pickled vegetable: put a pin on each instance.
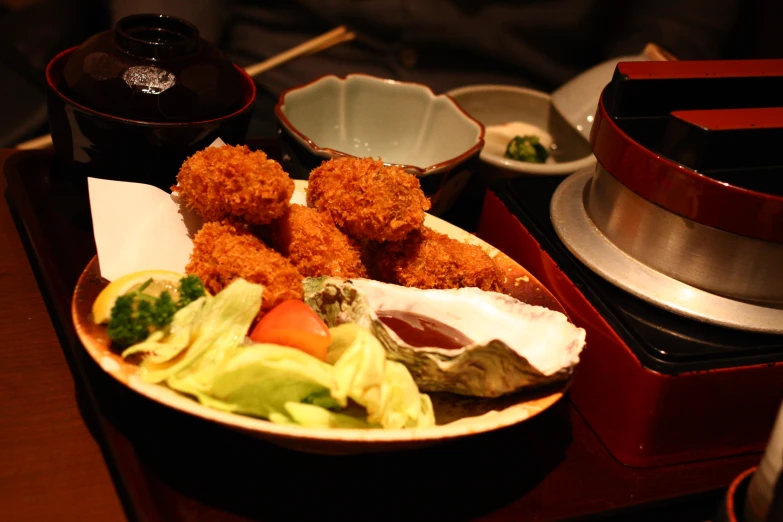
(526, 148)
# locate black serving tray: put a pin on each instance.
(170, 466)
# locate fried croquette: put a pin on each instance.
(368, 200)
(429, 259)
(223, 252)
(234, 183)
(314, 245)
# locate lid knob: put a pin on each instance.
(156, 37)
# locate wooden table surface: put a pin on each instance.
(52, 469)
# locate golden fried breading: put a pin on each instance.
(316, 247)
(367, 200)
(223, 252)
(234, 183)
(429, 259)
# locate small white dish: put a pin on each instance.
(506, 110)
(565, 117)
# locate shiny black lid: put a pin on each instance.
(153, 68)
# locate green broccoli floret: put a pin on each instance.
(159, 311)
(135, 315)
(526, 148)
(125, 328)
(190, 289)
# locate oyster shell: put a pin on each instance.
(514, 345)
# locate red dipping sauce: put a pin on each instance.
(422, 331)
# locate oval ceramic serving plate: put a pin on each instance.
(456, 416)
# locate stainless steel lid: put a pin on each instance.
(605, 227)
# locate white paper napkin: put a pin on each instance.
(141, 227)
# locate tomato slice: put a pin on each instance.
(293, 323)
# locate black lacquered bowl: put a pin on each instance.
(131, 105)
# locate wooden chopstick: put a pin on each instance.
(656, 53)
(319, 43)
(41, 142)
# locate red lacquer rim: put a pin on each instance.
(731, 507)
(248, 88)
(733, 119)
(701, 69)
(681, 190)
(475, 149)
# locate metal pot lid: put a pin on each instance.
(586, 242)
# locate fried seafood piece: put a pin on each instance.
(234, 183)
(368, 200)
(223, 252)
(429, 259)
(316, 247)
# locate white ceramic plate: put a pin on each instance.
(457, 416)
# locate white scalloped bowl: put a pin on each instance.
(401, 123)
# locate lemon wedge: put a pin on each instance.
(161, 280)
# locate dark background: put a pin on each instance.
(546, 44)
(442, 43)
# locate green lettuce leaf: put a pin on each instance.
(288, 386)
(204, 354)
(220, 324)
(359, 365)
(322, 398)
(312, 416)
(403, 405)
(385, 388)
(259, 379)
